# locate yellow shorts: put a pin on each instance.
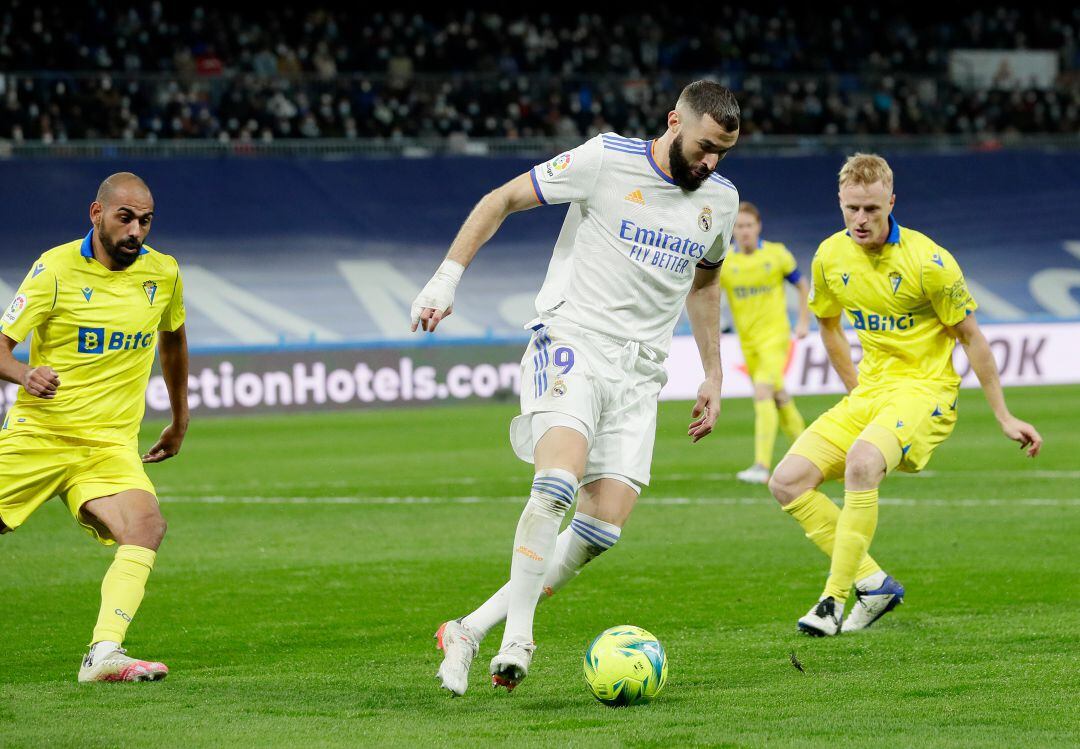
(37, 467)
(766, 360)
(906, 423)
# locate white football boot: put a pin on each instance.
(459, 646)
(755, 474)
(511, 665)
(117, 666)
(871, 605)
(823, 620)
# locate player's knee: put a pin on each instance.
(553, 491)
(146, 529)
(785, 486)
(863, 468)
(160, 528)
(763, 391)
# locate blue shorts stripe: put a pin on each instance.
(540, 361)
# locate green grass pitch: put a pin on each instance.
(296, 595)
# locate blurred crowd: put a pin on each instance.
(153, 70)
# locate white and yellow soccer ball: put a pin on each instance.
(625, 665)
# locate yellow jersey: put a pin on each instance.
(900, 301)
(97, 328)
(754, 283)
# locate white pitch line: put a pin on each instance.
(963, 473)
(469, 480)
(664, 501)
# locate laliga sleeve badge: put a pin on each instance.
(558, 164)
(559, 388)
(18, 304)
(704, 219)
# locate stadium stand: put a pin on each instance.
(149, 71)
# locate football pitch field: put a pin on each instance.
(310, 558)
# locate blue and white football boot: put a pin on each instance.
(871, 605)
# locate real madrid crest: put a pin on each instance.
(559, 388)
(704, 219)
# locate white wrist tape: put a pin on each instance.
(438, 293)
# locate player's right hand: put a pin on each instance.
(41, 382)
(436, 300)
(1028, 436)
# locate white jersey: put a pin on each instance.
(631, 240)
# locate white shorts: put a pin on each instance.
(607, 387)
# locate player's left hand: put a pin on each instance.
(1028, 436)
(706, 411)
(167, 446)
(802, 329)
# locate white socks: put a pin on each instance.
(99, 650)
(553, 491)
(581, 542)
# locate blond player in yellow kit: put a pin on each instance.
(908, 302)
(753, 279)
(97, 307)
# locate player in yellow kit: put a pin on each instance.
(908, 302)
(753, 279)
(97, 307)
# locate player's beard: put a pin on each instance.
(684, 176)
(115, 250)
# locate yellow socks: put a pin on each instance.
(854, 532)
(791, 421)
(122, 592)
(818, 515)
(765, 422)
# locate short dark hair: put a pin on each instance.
(709, 97)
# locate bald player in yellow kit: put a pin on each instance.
(97, 306)
(908, 302)
(753, 278)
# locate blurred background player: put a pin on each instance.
(95, 306)
(647, 228)
(753, 278)
(907, 300)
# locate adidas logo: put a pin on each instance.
(636, 197)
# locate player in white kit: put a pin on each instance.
(648, 225)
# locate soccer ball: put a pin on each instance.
(625, 666)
